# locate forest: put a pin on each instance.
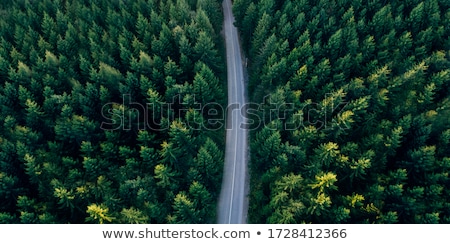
(100, 119)
(361, 91)
(76, 145)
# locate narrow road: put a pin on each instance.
(233, 202)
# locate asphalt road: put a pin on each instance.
(233, 202)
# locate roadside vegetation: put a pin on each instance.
(77, 142)
(361, 94)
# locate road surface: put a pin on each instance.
(233, 201)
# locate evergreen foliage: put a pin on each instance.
(369, 87)
(64, 156)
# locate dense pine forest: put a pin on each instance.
(359, 100)
(102, 117)
(76, 144)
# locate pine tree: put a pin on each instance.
(267, 146)
(98, 214)
(261, 33)
(133, 216)
(184, 211)
(206, 52)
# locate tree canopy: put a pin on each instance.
(365, 136)
(88, 135)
